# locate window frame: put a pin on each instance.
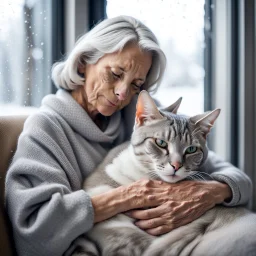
(234, 84)
(247, 91)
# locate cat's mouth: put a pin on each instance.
(171, 178)
(172, 173)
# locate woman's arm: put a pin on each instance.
(181, 203)
(43, 200)
(140, 194)
(237, 181)
(188, 200)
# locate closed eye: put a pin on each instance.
(136, 87)
(119, 76)
(116, 75)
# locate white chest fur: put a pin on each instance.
(125, 169)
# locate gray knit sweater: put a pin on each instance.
(59, 147)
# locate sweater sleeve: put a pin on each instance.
(45, 203)
(225, 172)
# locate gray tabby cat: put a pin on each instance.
(145, 157)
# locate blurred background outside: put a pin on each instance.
(179, 27)
(26, 49)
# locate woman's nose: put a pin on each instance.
(122, 92)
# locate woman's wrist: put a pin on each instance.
(227, 193)
(109, 204)
(222, 191)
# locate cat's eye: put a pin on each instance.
(161, 143)
(191, 149)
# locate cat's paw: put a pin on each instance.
(126, 242)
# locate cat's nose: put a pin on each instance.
(176, 166)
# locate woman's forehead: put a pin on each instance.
(129, 57)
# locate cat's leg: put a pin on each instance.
(119, 236)
(238, 238)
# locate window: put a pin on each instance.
(179, 27)
(26, 54)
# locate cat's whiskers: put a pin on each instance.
(196, 175)
(152, 174)
(144, 161)
(189, 177)
(207, 174)
(200, 176)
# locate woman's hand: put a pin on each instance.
(178, 204)
(140, 194)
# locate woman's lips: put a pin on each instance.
(111, 103)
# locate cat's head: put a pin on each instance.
(170, 146)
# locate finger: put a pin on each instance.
(149, 224)
(147, 214)
(159, 230)
(188, 216)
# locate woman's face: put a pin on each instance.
(111, 83)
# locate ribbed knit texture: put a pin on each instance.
(59, 147)
(238, 181)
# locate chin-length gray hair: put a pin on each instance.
(110, 35)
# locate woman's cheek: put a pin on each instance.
(106, 78)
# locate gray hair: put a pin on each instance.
(109, 36)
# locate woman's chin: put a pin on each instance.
(107, 111)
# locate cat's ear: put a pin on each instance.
(174, 107)
(146, 109)
(206, 121)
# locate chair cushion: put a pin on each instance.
(10, 129)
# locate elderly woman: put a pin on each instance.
(69, 136)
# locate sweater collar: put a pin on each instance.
(68, 109)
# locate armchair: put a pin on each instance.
(10, 129)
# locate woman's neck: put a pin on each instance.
(80, 97)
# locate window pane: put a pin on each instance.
(179, 27)
(25, 53)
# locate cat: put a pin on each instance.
(145, 156)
